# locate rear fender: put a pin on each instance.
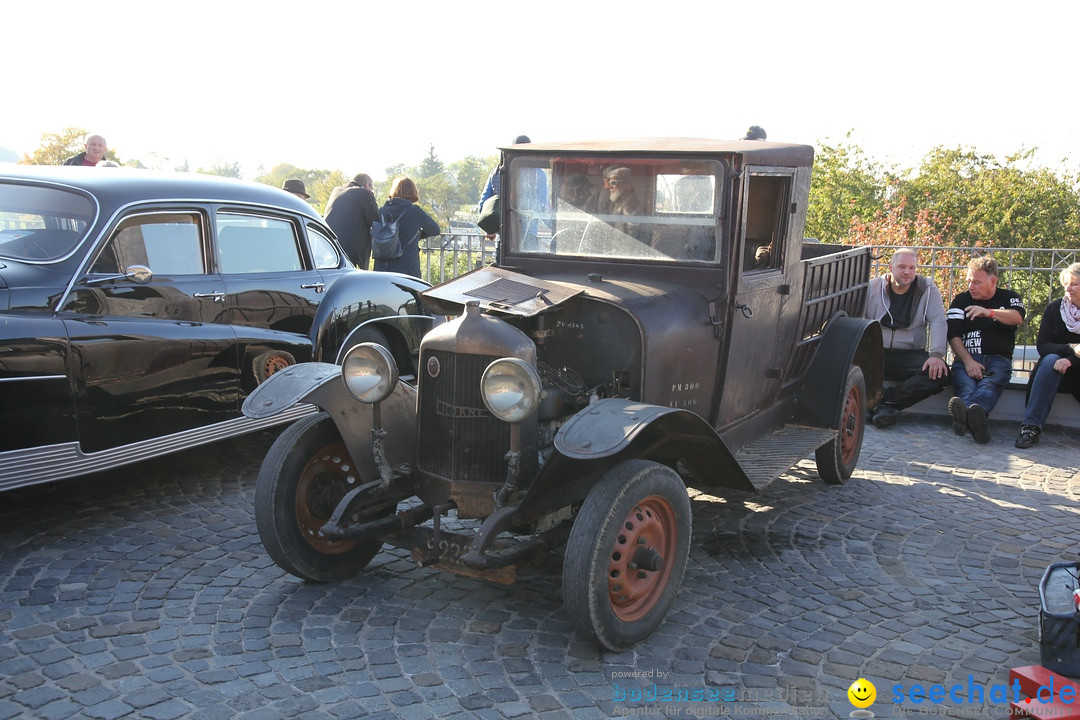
(846, 341)
(321, 385)
(614, 429)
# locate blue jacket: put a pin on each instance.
(413, 224)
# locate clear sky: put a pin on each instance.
(358, 86)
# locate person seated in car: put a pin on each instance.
(625, 201)
(578, 191)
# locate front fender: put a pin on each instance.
(846, 341)
(321, 385)
(622, 429)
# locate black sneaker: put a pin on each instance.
(1029, 435)
(885, 416)
(958, 413)
(979, 423)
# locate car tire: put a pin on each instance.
(268, 363)
(837, 458)
(614, 597)
(303, 477)
(363, 335)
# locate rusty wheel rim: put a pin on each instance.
(851, 426)
(650, 530)
(273, 364)
(325, 480)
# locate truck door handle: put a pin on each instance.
(219, 297)
(746, 310)
(318, 287)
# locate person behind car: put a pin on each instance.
(912, 316)
(92, 155)
(755, 132)
(413, 224)
(349, 212)
(1059, 357)
(982, 324)
(296, 187)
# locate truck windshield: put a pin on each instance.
(633, 208)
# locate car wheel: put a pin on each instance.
(269, 363)
(837, 458)
(304, 476)
(626, 553)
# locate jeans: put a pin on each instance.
(1044, 387)
(985, 392)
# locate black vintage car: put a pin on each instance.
(138, 310)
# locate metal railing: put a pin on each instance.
(446, 256)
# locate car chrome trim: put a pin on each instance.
(31, 466)
(34, 377)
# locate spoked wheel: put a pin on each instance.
(837, 458)
(269, 363)
(626, 553)
(305, 474)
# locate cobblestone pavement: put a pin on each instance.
(146, 594)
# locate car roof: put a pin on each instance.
(753, 151)
(118, 186)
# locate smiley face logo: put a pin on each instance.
(862, 693)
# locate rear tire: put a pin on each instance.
(837, 458)
(626, 554)
(303, 477)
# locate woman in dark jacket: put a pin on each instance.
(413, 224)
(1059, 357)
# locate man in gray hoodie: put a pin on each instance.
(912, 316)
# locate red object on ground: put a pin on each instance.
(1031, 678)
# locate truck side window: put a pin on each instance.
(766, 213)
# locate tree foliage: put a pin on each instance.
(55, 148)
(224, 168)
(319, 183)
(846, 188)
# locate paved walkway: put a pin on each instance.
(146, 594)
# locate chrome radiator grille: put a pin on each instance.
(458, 438)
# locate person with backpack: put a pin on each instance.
(412, 225)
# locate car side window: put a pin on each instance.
(168, 243)
(256, 244)
(323, 251)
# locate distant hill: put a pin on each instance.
(7, 155)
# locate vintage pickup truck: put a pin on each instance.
(655, 321)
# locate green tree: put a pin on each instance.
(55, 148)
(222, 168)
(430, 166)
(846, 188)
(472, 174)
(319, 183)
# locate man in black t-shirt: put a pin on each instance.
(982, 325)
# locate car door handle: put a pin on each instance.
(318, 287)
(219, 297)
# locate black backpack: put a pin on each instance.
(385, 239)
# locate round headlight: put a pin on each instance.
(370, 373)
(511, 389)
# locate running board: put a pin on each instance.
(30, 466)
(770, 457)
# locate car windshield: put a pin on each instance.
(631, 208)
(41, 224)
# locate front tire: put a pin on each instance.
(303, 477)
(626, 554)
(837, 458)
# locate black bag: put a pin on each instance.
(490, 212)
(385, 239)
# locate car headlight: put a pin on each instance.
(510, 389)
(369, 372)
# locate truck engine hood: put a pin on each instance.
(511, 293)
